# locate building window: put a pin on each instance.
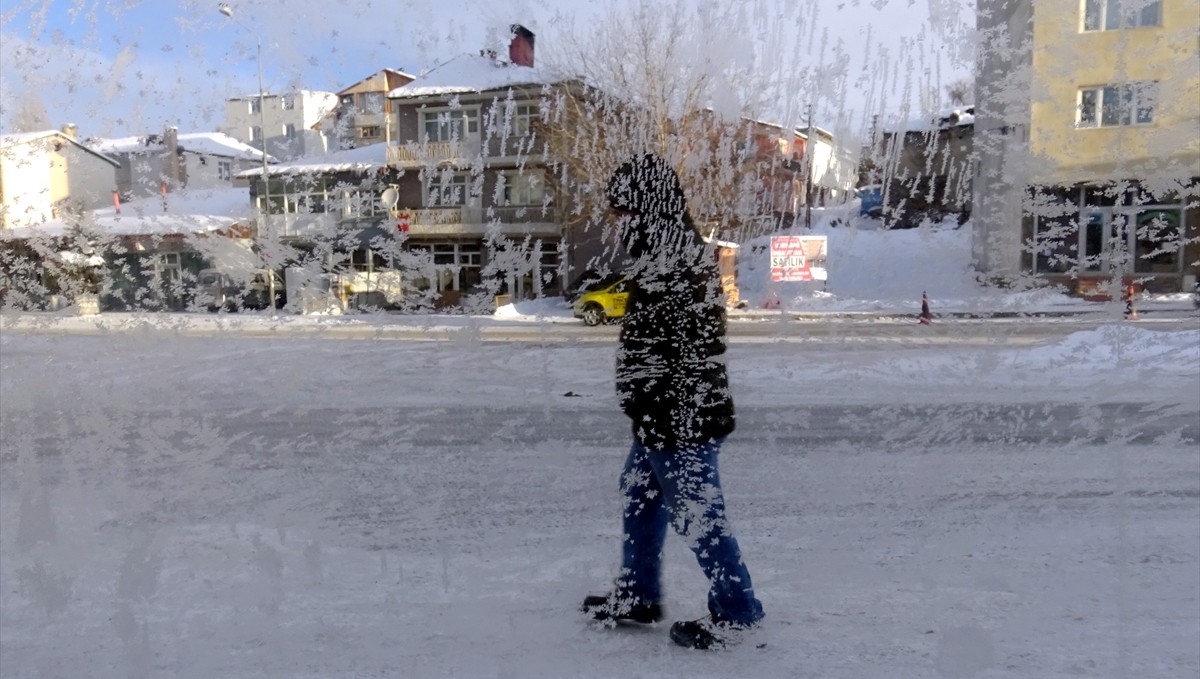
(450, 125)
(1111, 229)
(364, 204)
(289, 103)
(524, 188)
(311, 203)
(368, 132)
(523, 117)
(371, 102)
(461, 262)
(1114, 105)
(455, 266)
(255, 105)
(256, 133)
(224, 170)
(289, 131)
(1113, 15)
(446, 189)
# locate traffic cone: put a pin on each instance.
(1130, 310)
(926, 316)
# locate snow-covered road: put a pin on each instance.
(231, 507)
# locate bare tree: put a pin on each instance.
(960, 92)
(639, 82)
(30, 114)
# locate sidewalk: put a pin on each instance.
(525, 314)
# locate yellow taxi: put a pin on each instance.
(602, 304)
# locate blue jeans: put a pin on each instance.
(681, 486)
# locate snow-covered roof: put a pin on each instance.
(17, 138)
(471, 73)
(187, 211)
(203, 143)
(946, 118)
(269, 95)
(360, 159)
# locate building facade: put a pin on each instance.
(927, 166)
(1088, 155)
(363, 115)
(289, 125)
(49, 174)
(156, 164)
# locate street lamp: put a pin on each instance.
(225, 9)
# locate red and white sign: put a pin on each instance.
(798, 258)
(402, 222)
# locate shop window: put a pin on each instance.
(1157, 241)
(1055, 214)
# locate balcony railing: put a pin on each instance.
(478, 220)
(415, 154)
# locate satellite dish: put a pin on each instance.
(389, 197)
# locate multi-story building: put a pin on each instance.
(927, 168)
(474, 184)
(363, 115)
(458, 205)
(49, 174)
(289, 125)
(161, 163)
(478, 195)
(1088, 167)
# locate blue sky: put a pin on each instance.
(117, 67)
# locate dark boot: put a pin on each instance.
(615, 607)
(708, 634)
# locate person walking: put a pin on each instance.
(673, 385)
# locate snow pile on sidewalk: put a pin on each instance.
(871, 269)
(877, 270)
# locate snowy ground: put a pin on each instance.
(238, 507)
(198, 495)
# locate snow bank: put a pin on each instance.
(880, 270)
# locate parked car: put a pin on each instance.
(872, 200)
(603, 304)
(216, 290)
(590, 281)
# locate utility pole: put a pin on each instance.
(808, 154)
(262, 126)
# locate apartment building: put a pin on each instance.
(363, 115)
(474, 188)
(288, 126)
(1088, 157)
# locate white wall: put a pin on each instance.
(25, 178)
(35, 177)
(90, 179)
(310, 107)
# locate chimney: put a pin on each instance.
(520, 50)
(70, 130)
(174, 169)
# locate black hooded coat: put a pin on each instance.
(670, 375)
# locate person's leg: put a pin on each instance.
(644, 526)
(692, 494)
